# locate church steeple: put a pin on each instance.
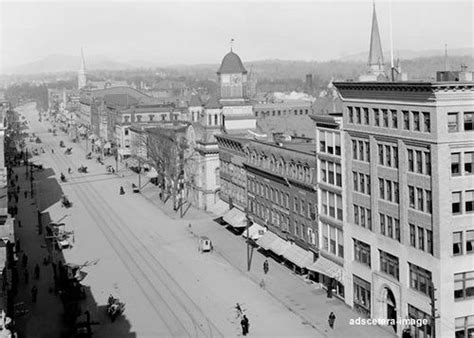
(376, 66)
(376, 63)
(81, 75)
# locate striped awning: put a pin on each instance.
(256, 231)
(235, 218)
(299, 256)
(328, 268)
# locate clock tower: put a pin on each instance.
(232, 78)
(237, 110)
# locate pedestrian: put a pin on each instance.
(27, 276)
(25, 193)
(245, 325)
(52, 151)
(19, 224)
(17, 189)
(122, 192)
(16, 177)
(16, 198)
(34, 293)
(265, 266)
(37, 271)
(332, 318)
(18, 247)
(54, 269)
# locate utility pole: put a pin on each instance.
(247, 217)
(116, 159)
(139, 172)
(433, 309)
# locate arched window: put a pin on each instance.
(218, 177)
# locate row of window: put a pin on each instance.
(390, 226)
(331, 204)
(420, 278)
(331, 173)
(361, 183)
(421, 238)
(302, 172)
(457, 206)
(420, 199)
(333, 241)
(459, 240)
(213, 120)
(464, 327)
(139, 118)
(454, 124)
(280, 112)
(457, 161)
(419, 161)
(389, 190)
(362, 216)
(330, 143)
(361, 150)
(463, 285)
(388, 155)
(386, 118)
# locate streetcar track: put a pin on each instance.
(93, 210)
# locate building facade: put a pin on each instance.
(281, 193)
(408, 203)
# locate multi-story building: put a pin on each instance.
(233, 177)
(408, 201)
(331, 216)
(287, 108)
(281, 196)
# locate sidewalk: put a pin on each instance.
(44, 318)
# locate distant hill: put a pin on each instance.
(409, 54)
(64, 63)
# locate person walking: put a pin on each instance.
(331, 320)
(18, 246)
(26, 274)
(34, 293)
(16, 177)
(245, 325)
(25, 193)
(24, 260)
(265, 266)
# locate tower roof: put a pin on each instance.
(83, 61)
(231, 64)
(375, 53)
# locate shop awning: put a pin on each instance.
(299, 256)
(272, 242)
(279, 246)
(235, 218)
(266, 240)
(256, 231)
(152, 173)
(328, 268)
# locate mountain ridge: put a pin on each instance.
(66, 63)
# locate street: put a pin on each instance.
(147, 259)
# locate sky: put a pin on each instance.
(192, 32)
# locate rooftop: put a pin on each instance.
(231, 64)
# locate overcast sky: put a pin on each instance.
(199, 32)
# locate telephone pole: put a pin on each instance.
(433, 309)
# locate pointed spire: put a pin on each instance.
(375, 53)
(83, 61)
(231, 43)
(446, 66)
